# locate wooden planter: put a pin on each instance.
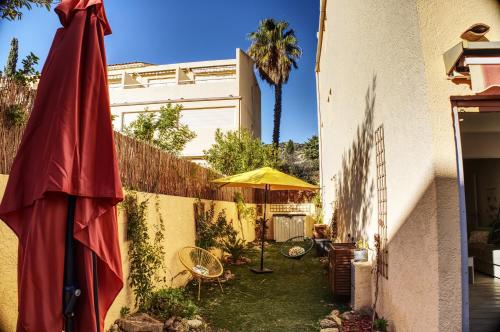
(339, 268)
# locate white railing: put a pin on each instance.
(172, 83)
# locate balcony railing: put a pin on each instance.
(171, 83)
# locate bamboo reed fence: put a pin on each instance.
(142, 166)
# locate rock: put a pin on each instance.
(329, 329)
(228, 275)
(194, 323)
(198, 317)
(139, 323)
(335, 312)
(114, 328)
(326, 323)
(170, 322)
(179, 326)
(334, 318)
(348, 315)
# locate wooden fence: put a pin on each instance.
(142, 166)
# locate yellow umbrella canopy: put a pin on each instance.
(265, 178)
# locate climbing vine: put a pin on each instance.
(244, 212)
(145, 254)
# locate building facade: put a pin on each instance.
(220, 94)
(390, 141)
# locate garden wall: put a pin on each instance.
(178, 217)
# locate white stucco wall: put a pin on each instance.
(381, 64)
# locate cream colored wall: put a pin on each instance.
(389, 54)
(250, 94)
(377, 81)
(440, 24)
(178, 216)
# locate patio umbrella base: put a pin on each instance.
(258, 270)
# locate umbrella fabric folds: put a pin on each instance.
(67, 149)
(269, 179)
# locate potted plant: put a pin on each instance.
(361, 251)
(380, 325)
(321, 238)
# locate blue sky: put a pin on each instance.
(169, 31)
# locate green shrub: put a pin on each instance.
(233, 246)
(211, 231)
(15, 116)
(124, 311)
(380, 324)
(168, 302)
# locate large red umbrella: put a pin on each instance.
(66, 169)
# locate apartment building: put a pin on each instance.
(218, 94)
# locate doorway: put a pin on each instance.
(478, 156)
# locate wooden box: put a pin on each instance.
(339, 268)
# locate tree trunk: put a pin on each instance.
(277, 114)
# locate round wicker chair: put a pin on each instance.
(303, 242)
(201, 264)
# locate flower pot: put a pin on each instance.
(361, 255)
(322, 247)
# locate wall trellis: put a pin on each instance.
(381, 200)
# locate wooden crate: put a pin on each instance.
(339, 268)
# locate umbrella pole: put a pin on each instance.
(262, 238)
(96, 292)
(70, 292)
(263, 232)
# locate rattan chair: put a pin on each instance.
(304, 242)
(201, 264)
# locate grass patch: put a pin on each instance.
(293, 298)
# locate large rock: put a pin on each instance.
(180, 325)
(194, 323)
(139, 323)
(326, 323)
(330, 329)
(334, 318)
(348, 315)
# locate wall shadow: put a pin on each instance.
(354, 189)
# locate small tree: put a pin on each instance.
(10, 67)
(311, 148)
(11, 9)
(237, 151)
(162, 129)
(28, 74)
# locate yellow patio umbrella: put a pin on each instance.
(266, 178)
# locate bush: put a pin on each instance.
(380, 324)
(162, 129)
(233, 246)
(238, 151)
(168, 302)
(211, 231)
(124, 311)
(15, 116)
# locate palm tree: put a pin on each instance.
(275, 51)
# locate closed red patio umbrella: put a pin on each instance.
(65, 178)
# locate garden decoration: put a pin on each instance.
(266, 178)
(59, 204)
(296, 247)
(201, 264)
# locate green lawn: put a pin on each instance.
(293, 298)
